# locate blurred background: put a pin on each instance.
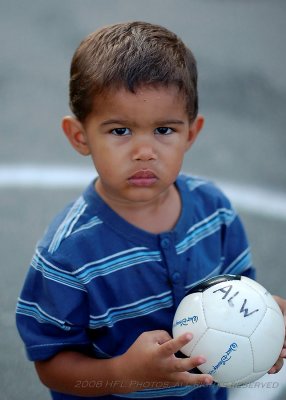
(240, 50)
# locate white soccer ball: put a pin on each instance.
(236, 325)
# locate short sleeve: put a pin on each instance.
(52, 311)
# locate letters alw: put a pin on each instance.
(226, 290)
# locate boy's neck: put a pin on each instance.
(158, 216)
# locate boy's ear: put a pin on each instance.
(75, 133)
(195, 128)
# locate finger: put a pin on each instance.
(186, 364)
(201, 379)
(283, 353)
(172, 346)
(160, 337)
(187, 378)
(277, 366)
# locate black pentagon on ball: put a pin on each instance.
(207, 283)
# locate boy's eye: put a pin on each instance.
(121, 131)
(163, 130)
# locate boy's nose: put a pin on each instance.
(144, 152)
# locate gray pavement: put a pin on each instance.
(240, 48)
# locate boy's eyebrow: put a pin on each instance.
(170, 122)
(158, 123)
(114, 121)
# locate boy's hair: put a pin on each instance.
(129, 55)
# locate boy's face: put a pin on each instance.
(137, 142)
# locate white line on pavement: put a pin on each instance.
(260, 201)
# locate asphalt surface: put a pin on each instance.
(240, 49)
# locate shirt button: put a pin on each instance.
(165, 243)
(176, 277)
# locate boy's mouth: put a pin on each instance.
(143, 178)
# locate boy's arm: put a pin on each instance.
(149, 363)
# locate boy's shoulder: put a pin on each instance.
(204, 203)
(73, 221)
(203, 191)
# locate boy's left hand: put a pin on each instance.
(279, 363)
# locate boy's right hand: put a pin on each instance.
(151, 359)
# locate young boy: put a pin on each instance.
(97, 306)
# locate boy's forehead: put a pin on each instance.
(121, 96)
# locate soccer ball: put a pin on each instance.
(236, 325)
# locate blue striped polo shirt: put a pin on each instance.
(96, 282)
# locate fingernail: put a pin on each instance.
(202, 360)
(189, 336)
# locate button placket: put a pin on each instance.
(171, 260)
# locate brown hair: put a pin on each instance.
(129, 55)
